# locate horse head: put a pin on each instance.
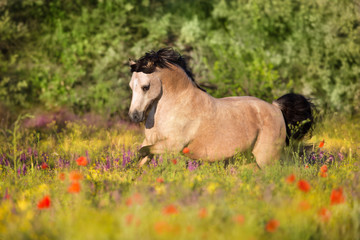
(146, 89)
(148, 76)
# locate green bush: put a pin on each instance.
(74, 53)
(270, 48)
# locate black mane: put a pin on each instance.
(162, 59)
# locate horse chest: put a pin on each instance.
(173, 128)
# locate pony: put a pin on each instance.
(178, 114)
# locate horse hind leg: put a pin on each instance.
(268, 147)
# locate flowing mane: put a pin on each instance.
(162, 59)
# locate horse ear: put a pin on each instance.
(131, 62)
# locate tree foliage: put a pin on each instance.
(75, 53)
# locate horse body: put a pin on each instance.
(179, 114)
(236, 125)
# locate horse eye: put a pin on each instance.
(146, 88)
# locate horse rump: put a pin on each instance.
(298, 113)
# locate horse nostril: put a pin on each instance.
(135, 116)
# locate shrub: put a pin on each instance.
(74, 53)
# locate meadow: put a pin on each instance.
(80, 180)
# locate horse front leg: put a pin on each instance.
(144, 153)
(143, 161)
(147, 151)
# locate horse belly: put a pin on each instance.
(221, 142)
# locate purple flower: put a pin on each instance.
(4, 160)
(45, 157)
(117, 161)
(192, 165)
(341, 156)
(321, 154)
(153, 162)
(330, 159)
(23, 158)
(24, 169)
(63, 163)
(39, 121)
(161, 160)
(126, 159)
(108, 164)
(312, 158)
(29, 151)
(60, 161)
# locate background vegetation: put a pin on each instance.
(74, 53)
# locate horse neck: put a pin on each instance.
(176, 82)
(179, 88)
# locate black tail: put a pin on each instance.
(298, 115)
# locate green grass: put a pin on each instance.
(117, 202)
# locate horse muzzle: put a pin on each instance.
(136, 116)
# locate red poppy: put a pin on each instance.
(170, 210)
(162, 227)
(174, 161)
(81, 161)
(304, 185)
(337, 196)
(306, 166)
(304, 205)
(74, 187)
(323, 169)
(323, 174)
(325, 214)
(129, 219)
(129, 202)
(44, 165)
(62, 176)
(189, 229)
(290, 178)
(134, 199)
(160, 180)
(272, 225)
(322, 143)
(44, 203)
(186, 150)
(75, 176)
(202, 213)
(239, 219)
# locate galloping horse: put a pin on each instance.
(178, 113)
